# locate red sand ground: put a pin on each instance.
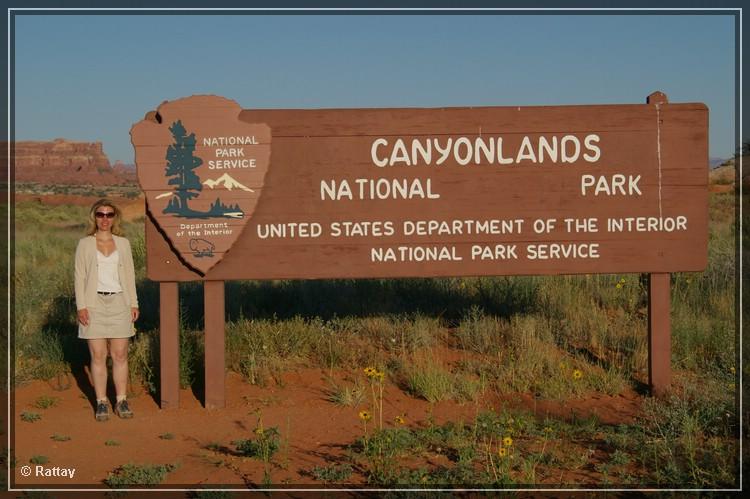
(318, 431)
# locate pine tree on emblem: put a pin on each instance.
(180, 165)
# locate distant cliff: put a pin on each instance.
(65, 162)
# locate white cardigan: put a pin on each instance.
(86, 277)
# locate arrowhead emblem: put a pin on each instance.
(202, 170)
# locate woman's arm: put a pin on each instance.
(80, 284)
(80, 276)
(130, 266)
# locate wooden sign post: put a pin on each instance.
(169, 345)
(235, 193)
(659, 311)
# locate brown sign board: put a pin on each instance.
(408, 192)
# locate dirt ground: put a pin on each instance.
(314, 431)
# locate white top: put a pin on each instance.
(109, 279)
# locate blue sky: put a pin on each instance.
(90, 77)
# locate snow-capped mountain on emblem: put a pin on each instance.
(228, 182)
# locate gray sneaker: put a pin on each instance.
(123, 410)
(102, 411)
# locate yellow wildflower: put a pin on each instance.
(507, 441)
(577, 374)
(618, 285)
(399, 420)
(365, 415)
(502, 452)
(370, 371)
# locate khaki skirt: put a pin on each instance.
(109, 317)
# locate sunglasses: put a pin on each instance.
(101, 214)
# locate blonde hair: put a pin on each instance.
(91, 226)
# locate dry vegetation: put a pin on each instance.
(442, 339)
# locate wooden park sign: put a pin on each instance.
(359, 193)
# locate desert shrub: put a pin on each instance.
(264, 444)
(30, 417)
(143, 359)
(332, 473)
(682, 440)
(191, 357)
(428, 379)
(481, 333)
(141, 475)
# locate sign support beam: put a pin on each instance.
(169, 345)
(659, 334)
(213, 300)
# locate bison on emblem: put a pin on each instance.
(201, 248)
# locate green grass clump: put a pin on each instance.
(111, 443)
(398, 334)
(45, 402)
(39, 459)
(167, 436)
(347, 395)
(689, 441)
(333, 473)
(191, 356)
(60, 438)
(30, 417)
(428, 380)
(258, 349)
(424, 376)
(481, 333)
(263, 446)
(389, 443)
(143, 356)
(143, 475)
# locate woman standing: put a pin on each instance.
(107, 303)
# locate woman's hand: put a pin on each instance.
(133, 314)
(83, 316)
